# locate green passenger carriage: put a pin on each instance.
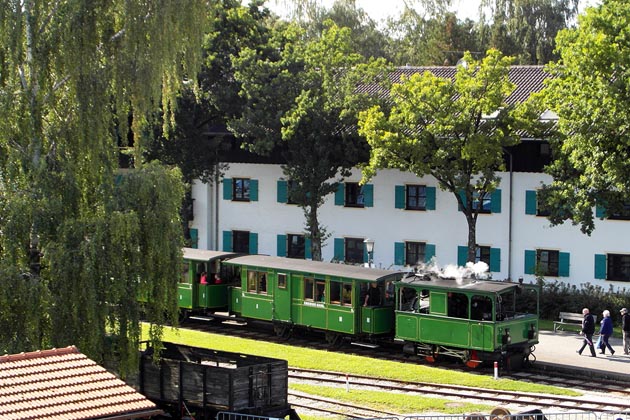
(470, 319)
(193, 297)
(318, 295)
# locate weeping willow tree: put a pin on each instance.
(78, 241)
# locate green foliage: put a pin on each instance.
(590, 96)
(78, 80)
(301, 101)
(455, 130)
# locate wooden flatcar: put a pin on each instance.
(341, 300)
(473, 320)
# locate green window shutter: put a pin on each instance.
(340, 197)
(227, 240)
(563, 264)
(430, 198)
(307, 249)
(429, 252)
(366, 257)
(281, 245)
(530, 262)
(600, 266)
(399, 253)
(495, 201)
(399, 200)
(600, 211)
(368, 195)
(253, 243)
(495, 259)
(530, 202)
(194, 238)
(462, 195)
(462, 255)
(283, 192)
(227, 188)
(253, 190)
(339, 249)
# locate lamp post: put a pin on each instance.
(369, 246)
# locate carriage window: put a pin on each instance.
(320, 287)
(408, 299)
(251, 281)
(309, 284)
(282, 281)
(481, 308)
(185, 271)
(335, 292)
(257, 281)
(457, 305)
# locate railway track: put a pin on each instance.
(338, 408)
(514, 400)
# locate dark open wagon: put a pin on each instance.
(191, 380)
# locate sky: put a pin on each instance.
(381, 9)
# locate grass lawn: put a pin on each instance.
(349, 363)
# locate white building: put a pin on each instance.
(410, 219)
(510, 237)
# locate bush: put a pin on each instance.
(559, 297)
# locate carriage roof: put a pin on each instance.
(317, 267)
(434, 281)
(195, 254)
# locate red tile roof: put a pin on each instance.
(63, 384)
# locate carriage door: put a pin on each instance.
(282, 298)
(260, 396)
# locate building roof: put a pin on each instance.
(65, 384)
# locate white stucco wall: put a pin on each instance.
(445, 226)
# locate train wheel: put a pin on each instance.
(282, 330)
(183, 315)
(333, 339)
(472, 360)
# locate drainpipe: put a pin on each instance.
(510, 221)
(216, 206)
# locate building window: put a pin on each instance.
(240, 189)
(416, 197)
(618, 267)
(240, 241)
(354, 251)
(354, 195)
(622, 214)
(482, 202)
(291, 191)
(547, 262)
(415, 253)
(482, 254)
(295, 246)
(541, 208)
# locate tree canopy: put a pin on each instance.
(455, 130)
(590, 96)
(79, 242)
(301, 101)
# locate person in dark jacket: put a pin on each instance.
(625, 330)
(605, 331)
(588, 329)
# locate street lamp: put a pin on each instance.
(369, 246)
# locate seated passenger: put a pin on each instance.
(217, 279)
(204, 278)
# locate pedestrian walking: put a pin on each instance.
(605, 331)
(588, 329)
(625, 330)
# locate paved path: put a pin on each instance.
(559, 349)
